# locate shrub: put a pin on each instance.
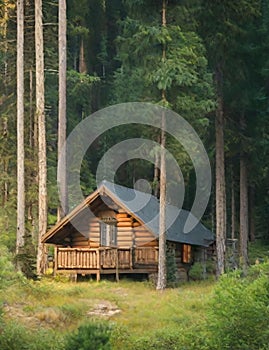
(197, 271)
(166, 339)
(239, 314)
(14, 336)
(7, 270)
(90, 336)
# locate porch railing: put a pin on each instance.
(105, 258)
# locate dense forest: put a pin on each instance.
(205, 60)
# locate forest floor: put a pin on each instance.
(62, 306)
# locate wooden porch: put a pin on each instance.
(106, 260)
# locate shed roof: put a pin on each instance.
(145, 208)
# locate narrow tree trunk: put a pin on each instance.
(162, 279)
(40, 111)
(252, 213)
(220, 182)
(233, 214)
(63, 208)
(5, 29)
(82, 63)
(31, 117)
(243, 215)
(157, 172)
(20, 128)
(161, 282)
(244, 229)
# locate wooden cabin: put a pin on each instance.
(115, 230)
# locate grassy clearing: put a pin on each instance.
(62, 306)
(230, 314)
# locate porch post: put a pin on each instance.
(117, 265)
(55, 261)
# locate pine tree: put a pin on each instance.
(63, 209)
(40, 111)
(20, 128)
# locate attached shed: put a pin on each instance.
(115, 230)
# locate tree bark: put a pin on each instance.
(252, 213)
(162, 278)
(63, 207)
(220, 181)
(233, 213)
(243, 215)
(20, 128)
(244, 227)
(82, 63)
(40, 111)
(161, 282)
(156, 176)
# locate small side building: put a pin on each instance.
(115, 230)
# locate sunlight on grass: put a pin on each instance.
(143, 310)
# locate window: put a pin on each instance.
(108, 234)
(186, 253)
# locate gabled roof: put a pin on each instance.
(145, 208)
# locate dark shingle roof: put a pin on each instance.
(146, 208)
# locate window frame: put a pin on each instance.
(108, 234)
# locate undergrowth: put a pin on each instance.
(230, 314)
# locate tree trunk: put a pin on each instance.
(156, 177)
(40, 111)
(161, 282)
(233, 213)
(82, 63)
(20, 128)
(63, 207)
(162, 278)
(244, 229)
(243, 215)
(252, 213)
(220, 181)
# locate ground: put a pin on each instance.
(62, 306)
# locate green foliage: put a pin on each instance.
(7, 270)
(197, 271)
(14, 336)
(202, 270)
(239, 313)
(90, 336)
(25, 260)
(258, 252)
(171, 267)
(168, 338)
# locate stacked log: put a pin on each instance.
(94, 232)
(78, 240)
(143, 236)
(124, 230)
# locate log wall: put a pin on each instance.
(130, 232)
(142, 236)
(125, 235)
(94, 232)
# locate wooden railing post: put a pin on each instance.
(117, 265)
(55, 261)
(98, 264)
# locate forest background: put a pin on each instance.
(214, 74)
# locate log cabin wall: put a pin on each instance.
(94, 232)
(78, 240)
(125, 234)
(142, 236)
(130, 232)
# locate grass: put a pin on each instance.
(63, 306)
